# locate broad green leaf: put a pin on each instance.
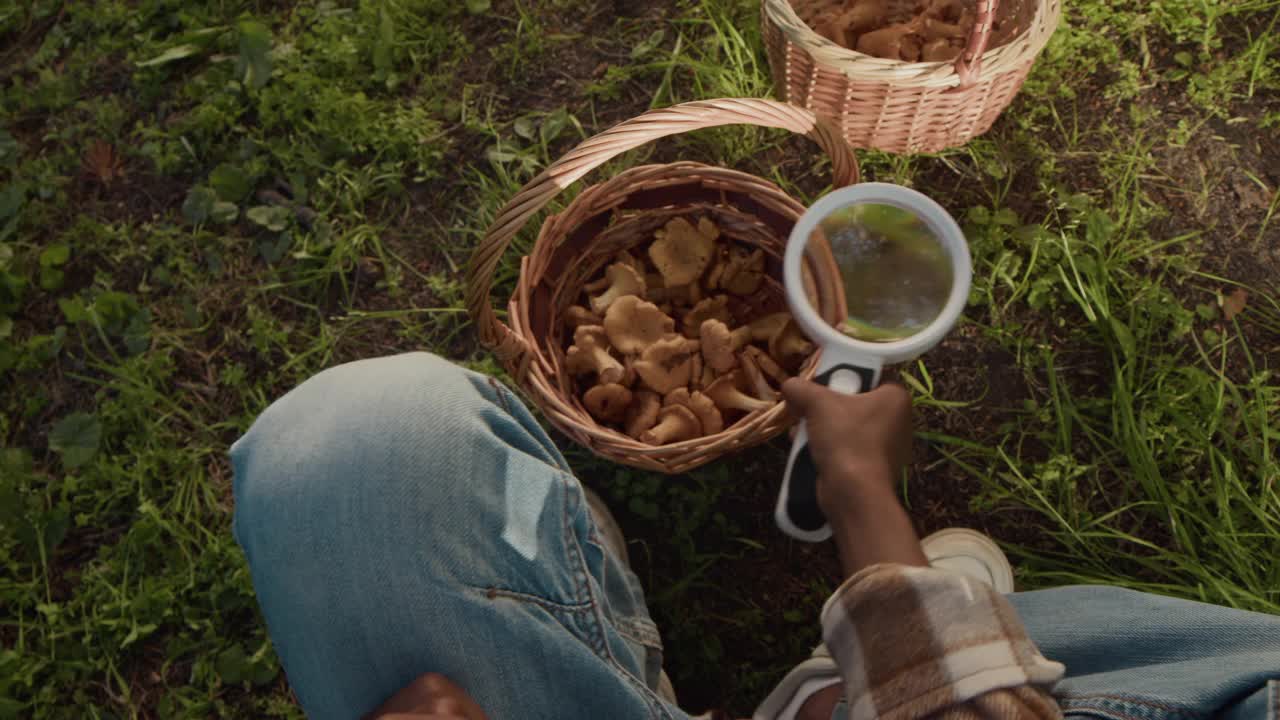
(647, 45)
(476, 7)
(55, 255)
(76, 438)
(137, 334)
(271, 217)
(73, 309)
(232, 665)
(199, 204)
(54, 526)
(230, 182)
(254, 65)
(6, 327)
(51, 278)
(12, 198)
(525, 127)
(224, 212)
(6, 255)
(553, 125)
(10, 148)
(173, 54)
(273, 250)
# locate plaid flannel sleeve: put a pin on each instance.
(913, 642)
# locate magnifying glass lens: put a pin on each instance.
(897, 273)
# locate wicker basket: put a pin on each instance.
(901, 106)
(621, 213)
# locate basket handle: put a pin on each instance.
(596, 151)
(969, 64)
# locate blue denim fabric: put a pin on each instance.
(403, 515)
(1133, 655)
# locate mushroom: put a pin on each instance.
(719, 343)
(787, 345)
(695, 372)
(633, 324)
(643, 413)
(681, 253)
(607, 402)
(716, 306)
(667, 364)
(725, 393)
(709, 417)
(576, 315)
(887, 42)
(743, 272)
(590, 354)
(708, 228)
(754, 379)
(766, 364)
(708, 377)
(675, 423)
(863, 16)
(626, 258)
(623, 281)
(766, 327)
(678, 293)
(939, 50)
(628, 371)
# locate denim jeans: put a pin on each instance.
(404, 515)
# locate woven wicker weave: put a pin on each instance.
(621, 213)
(902, 106)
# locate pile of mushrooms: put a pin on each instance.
(663, 346)
(936, 32)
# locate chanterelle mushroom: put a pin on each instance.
(702, 407)
(788, 346)
(607, 402)
(716, 307)
(633, 324)
(675, 423)
(667, 364)
(719, 343)
(743, 272)
(590, 354)
(766, 327)
(725, 393)
(643, 413)
(766, 364)
(576, 315)
(681, 253)
(623, 280)
(754, 380)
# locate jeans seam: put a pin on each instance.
(595, 619)
(493, 591)
(1126, 706)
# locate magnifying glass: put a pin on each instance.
(905, 270)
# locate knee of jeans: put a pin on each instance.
(354, 416)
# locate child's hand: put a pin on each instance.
(859, 442)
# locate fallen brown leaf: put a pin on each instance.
(102, 162)
(1233, 303)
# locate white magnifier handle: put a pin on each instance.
(797, 512)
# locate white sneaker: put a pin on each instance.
(970, 553)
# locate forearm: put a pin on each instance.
(868, 523)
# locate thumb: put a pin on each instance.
(801, 395)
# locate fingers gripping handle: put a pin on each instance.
(798, 513)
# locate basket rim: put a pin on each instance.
(1010, 57)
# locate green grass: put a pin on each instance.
(202, 204)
